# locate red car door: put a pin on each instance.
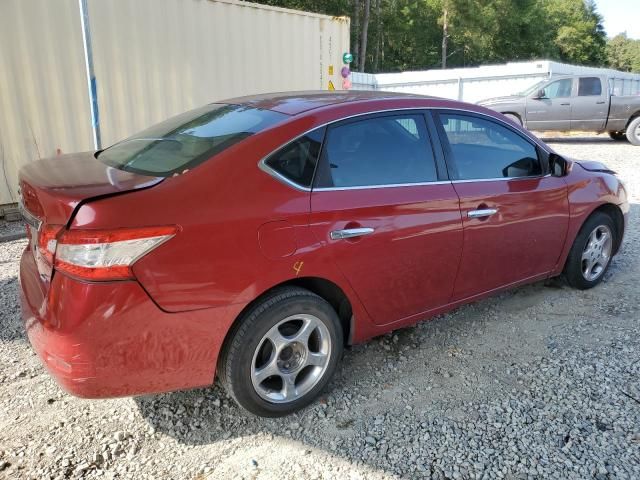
(515, 215)
(391, 223)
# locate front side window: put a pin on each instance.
(297, 160)
(186, 140)
(385, 150)
(483, 149)
(559, 89)
(589, 86)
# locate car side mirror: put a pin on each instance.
(558, 166)
(540, 94)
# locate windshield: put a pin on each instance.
(186, 140)
(532, 88)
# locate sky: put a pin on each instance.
(620, 16)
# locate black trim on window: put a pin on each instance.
(322, 173)
(436, 145)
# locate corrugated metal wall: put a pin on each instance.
(44, 104)
(151, 59)
(156, 58)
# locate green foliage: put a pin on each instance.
(408, 34)
(624, 53)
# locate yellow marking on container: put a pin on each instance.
(330, 69)
(331, 87)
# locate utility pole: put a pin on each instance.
(445, 36)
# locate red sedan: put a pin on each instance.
(255, 238)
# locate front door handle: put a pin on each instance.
(565, 104)
(600, 103)
(350, 233)
(484, 212)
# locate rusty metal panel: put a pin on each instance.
(44, 103)
(155, 58)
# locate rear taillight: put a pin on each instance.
(47, 242)
(105, 254)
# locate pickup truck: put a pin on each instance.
(581, 102)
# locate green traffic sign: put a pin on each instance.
(347, 58)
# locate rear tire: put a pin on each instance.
(282, 353)
(618, 136)
(590, 255)
(633, 132)
(514, 118)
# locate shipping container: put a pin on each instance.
(83, 74)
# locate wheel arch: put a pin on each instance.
(325, 289)
(515, 114)
(632, 117)
(616, 214)
(614, 211)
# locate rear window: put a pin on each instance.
(186, 140)
(589, 86)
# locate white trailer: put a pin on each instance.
(478, 83)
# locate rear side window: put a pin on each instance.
(483, 149)
(386, 150)
(186, 140)
(297, 160)
(589, 86)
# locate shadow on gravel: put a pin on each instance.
(428, 356)
(11, 328)
(581, 140)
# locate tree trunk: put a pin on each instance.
(356, 31)
(376, 56)
(445, 36)
(365, 31)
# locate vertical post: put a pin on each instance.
(445, 36)
(91, 78)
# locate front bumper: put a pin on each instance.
(109, 339)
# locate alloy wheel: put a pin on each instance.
(291, 358)
(597, 253)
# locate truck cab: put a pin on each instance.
(559, 103)
(581, 102)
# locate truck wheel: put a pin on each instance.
(633, 131)
(619, 136)
(514, 118)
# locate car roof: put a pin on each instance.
(293, 103)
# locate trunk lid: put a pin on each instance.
(51, 190)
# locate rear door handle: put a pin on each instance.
(484, 212)
(350, 233)
(565, 104)
(600, 103)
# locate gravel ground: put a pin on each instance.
(11, 230)
(539, 382)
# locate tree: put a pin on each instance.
(392, 35)
(364, 34)
(579, 33)
(623, 53)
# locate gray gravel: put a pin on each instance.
(540, 382)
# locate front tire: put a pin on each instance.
(633, 132)
(590, 255)
(618, 136)
(282, 353)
